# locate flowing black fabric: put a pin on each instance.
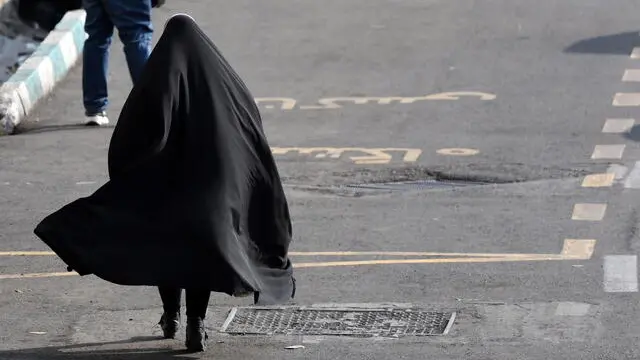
(194, 198)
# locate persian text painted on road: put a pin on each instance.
(284, 103)
(371, 155)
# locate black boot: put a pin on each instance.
(196, 335)
(170, 323)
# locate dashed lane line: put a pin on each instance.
(610, 152)
(626, 99)
(632, 180)
(599, 180)
(620, 273)
(618, 126)
(631, 75)
(589, 212)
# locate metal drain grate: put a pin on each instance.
(413, 185)
(337, 322)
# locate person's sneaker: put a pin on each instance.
(196, 335)
(170, 323)
(98, 119)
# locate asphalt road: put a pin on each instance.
(547, 71)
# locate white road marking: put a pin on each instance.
(572, 309)
(589, 212)
(608, 152)
(618, 126)
(631, 75)
(619, 170)
(626, 99)
(621, 273)
(85, 182)
(635, 54)
(633, 179)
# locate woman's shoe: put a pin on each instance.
(196, 335)
(170, 323)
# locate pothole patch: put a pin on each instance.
(372, 181)
(414, 185)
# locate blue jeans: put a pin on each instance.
(132, 18)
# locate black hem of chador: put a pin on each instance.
(278, 284)
(47, 235)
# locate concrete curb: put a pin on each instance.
(42, 71)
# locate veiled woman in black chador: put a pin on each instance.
(194, 199)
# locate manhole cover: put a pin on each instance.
(345, 322)
(413, 185)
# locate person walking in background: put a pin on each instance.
(132, 19)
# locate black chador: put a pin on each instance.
(194, 199)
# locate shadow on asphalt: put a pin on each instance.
(634, 134)
(128, 350)
(615, 44)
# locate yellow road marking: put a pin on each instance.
(372, 155)
(404, 253)
(573, 249)
(589, 212)
(425, 261)
(599, 180)
(27, 253)
(458, 152)
(578, 248)
(37, 275)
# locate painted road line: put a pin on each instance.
(589, 212)
(37, 275)
(635, 53)
(411, 253)
(619, 170)
(633, 179)
(599, 180)
(621, 273)
(618, 126)
(458, 152)
(351, 263)
(425, 261)
(371, 155)
(631, 75)
(626, 99)
(608, 152)
(579, 249)
(573, 249)
(285, 103)
(27, 253)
